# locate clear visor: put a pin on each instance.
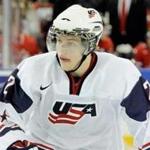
(88, 40)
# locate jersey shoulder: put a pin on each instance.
(37, 69)
(37, 63)
(118, 70)
(115, 63)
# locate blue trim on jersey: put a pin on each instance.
(7, 129)
(16, 96)
(136, 103)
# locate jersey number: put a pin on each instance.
(10, 82)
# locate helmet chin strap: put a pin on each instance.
(78, 65)
(84, 56)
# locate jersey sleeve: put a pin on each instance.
(16, 107)
(136, 106)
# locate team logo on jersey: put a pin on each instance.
(45, 87)
(69, 113)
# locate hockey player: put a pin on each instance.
(73, 98)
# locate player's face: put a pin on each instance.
(69, 49)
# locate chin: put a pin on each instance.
(65, 68)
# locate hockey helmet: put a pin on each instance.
(80, 21)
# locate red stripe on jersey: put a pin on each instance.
(61, 121)
(75, 112)
(146, 145)
(1, 126)
(71, 117)
(24, 144)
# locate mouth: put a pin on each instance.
(64, 59)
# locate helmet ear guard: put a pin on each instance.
(89, 27)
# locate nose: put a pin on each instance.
(62, 51)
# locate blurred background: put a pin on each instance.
(24, 25)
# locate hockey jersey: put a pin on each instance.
(36, 105)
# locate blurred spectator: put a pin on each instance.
(25, 47)
(37, 4)
(106, 44)
(44, 11)
(41, 38)
(148, 18)
(125, 51)
(28, 43)
(128, 20)
(142, 52)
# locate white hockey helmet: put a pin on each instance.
(78, 20)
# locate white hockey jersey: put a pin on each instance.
(37, 99)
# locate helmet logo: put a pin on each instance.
(91, 13)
